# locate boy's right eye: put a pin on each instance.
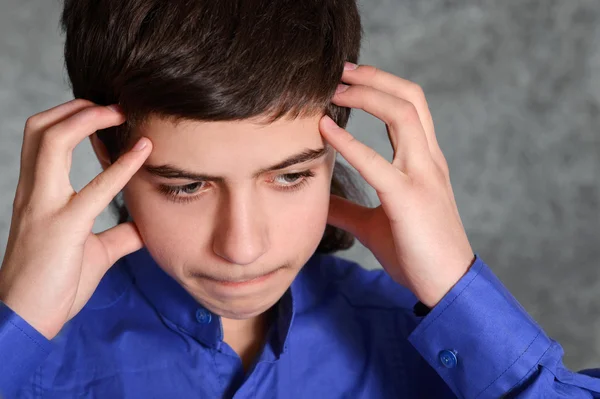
(181, 193)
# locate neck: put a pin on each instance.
(247, 337)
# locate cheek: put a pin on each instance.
(163, 228)
(300, 218)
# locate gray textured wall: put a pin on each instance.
(514, 89)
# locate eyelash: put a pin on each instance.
(173, 192)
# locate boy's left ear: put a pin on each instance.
(100, 151)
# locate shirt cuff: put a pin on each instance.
(478, 338)
(22, 350)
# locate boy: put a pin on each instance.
(224, 143)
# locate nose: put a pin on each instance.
(240, 235)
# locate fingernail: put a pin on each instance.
(330, 123)
(341, 88)
(116, 108)
(348, 66)
(140, 145)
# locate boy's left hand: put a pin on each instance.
(416, 233)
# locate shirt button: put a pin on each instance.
(448, 358)
(203, 316)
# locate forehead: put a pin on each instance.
(217, 146)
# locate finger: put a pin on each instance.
(57, 144)
(347, 215)
(406, 132)
(375, 169)
(384, 81)
(34, 127)
(120, 240)
(116, 242)
(368, 75)
(98, 193)
(49, 117)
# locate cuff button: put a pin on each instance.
(448, 358)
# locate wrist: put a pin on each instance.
(48, 329)
(431, 291)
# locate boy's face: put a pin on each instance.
(213, 236)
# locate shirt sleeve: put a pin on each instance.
(22, 350)
(484, 344)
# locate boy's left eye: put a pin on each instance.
(294, 177)
(294, 181)
(291, 182)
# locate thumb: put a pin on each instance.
(347, 215)
(120, 240)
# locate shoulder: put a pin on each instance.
(115, 306)
(86, 346)
(361, 287)
(335, 297)
(114, 298)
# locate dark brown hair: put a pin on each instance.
(214, 60)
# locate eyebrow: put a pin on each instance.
(169, 171)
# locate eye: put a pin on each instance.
(190, 192)
(190, 188)
(289, 178)
(175, 192)
(294, 181)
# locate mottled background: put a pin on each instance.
(514, 89)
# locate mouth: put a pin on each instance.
(243, 282)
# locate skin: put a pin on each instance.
(416, 233)
(241, 227)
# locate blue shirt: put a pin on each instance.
(340, 331)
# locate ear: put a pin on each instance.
(101, 151)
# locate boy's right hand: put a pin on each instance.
(53, 261)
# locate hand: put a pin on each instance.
(416, 233)
(53, 262)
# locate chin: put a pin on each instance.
(243, 302)
(241, 312)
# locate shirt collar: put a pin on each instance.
(174, 303)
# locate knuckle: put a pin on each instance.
(80, 102)
(432, 174)
(18, 200)
(112, 177)
(440, 173)
(33, 123)
(369, 70)
(83, 116)
(405, 114)
(372, 156)
(28, 209)
(416, 91)
(408, 112)
(100, 182)
(17, 207)
(443, 164)
(351, 140)
(91, 112)
(25, 210)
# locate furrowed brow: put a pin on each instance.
(169, 171)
